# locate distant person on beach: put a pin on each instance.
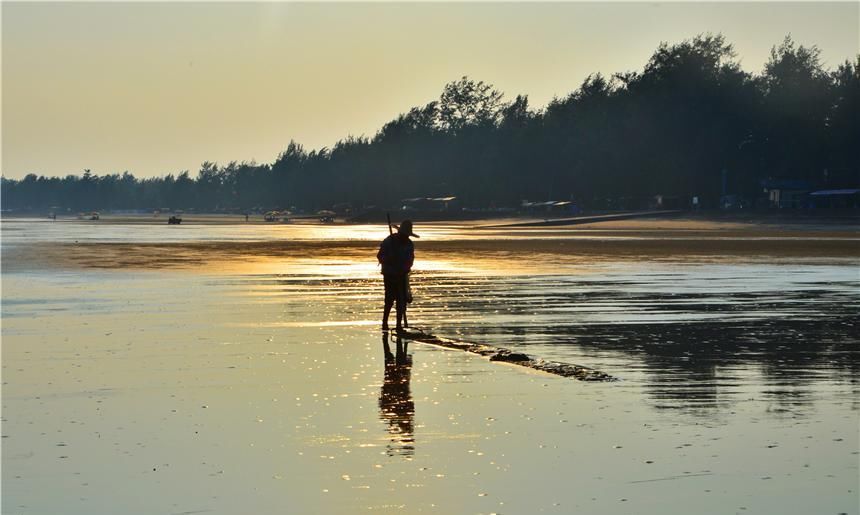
(396, 255)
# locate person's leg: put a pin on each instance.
(400, 303)
(406, 299)
(400, 297)
(389, 300)
(385, 312)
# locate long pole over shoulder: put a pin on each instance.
(390, 230)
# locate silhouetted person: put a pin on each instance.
(396, 254)
(396, 406)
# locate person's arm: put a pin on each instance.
(384, 253)
(410, 257)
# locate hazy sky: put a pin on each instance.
(161, 87)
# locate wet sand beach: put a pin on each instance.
(234, 369)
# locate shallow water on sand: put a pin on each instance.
(259, 384)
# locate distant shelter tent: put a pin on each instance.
(550, 206)
(836, 199)
(428, 203)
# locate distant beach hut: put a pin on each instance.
(785, 193)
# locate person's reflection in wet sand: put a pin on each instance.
(396, 406)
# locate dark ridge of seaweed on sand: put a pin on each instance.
(515, 358)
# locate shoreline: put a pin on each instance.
(848, 218)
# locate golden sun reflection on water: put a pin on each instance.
(363, 232)
(351, 266)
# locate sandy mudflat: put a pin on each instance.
(152, 395)
(248, 376)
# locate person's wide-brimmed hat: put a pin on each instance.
(405, 227)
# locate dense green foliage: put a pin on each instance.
(690, 120)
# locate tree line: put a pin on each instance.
(691, 123)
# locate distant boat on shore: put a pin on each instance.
(88, 216)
